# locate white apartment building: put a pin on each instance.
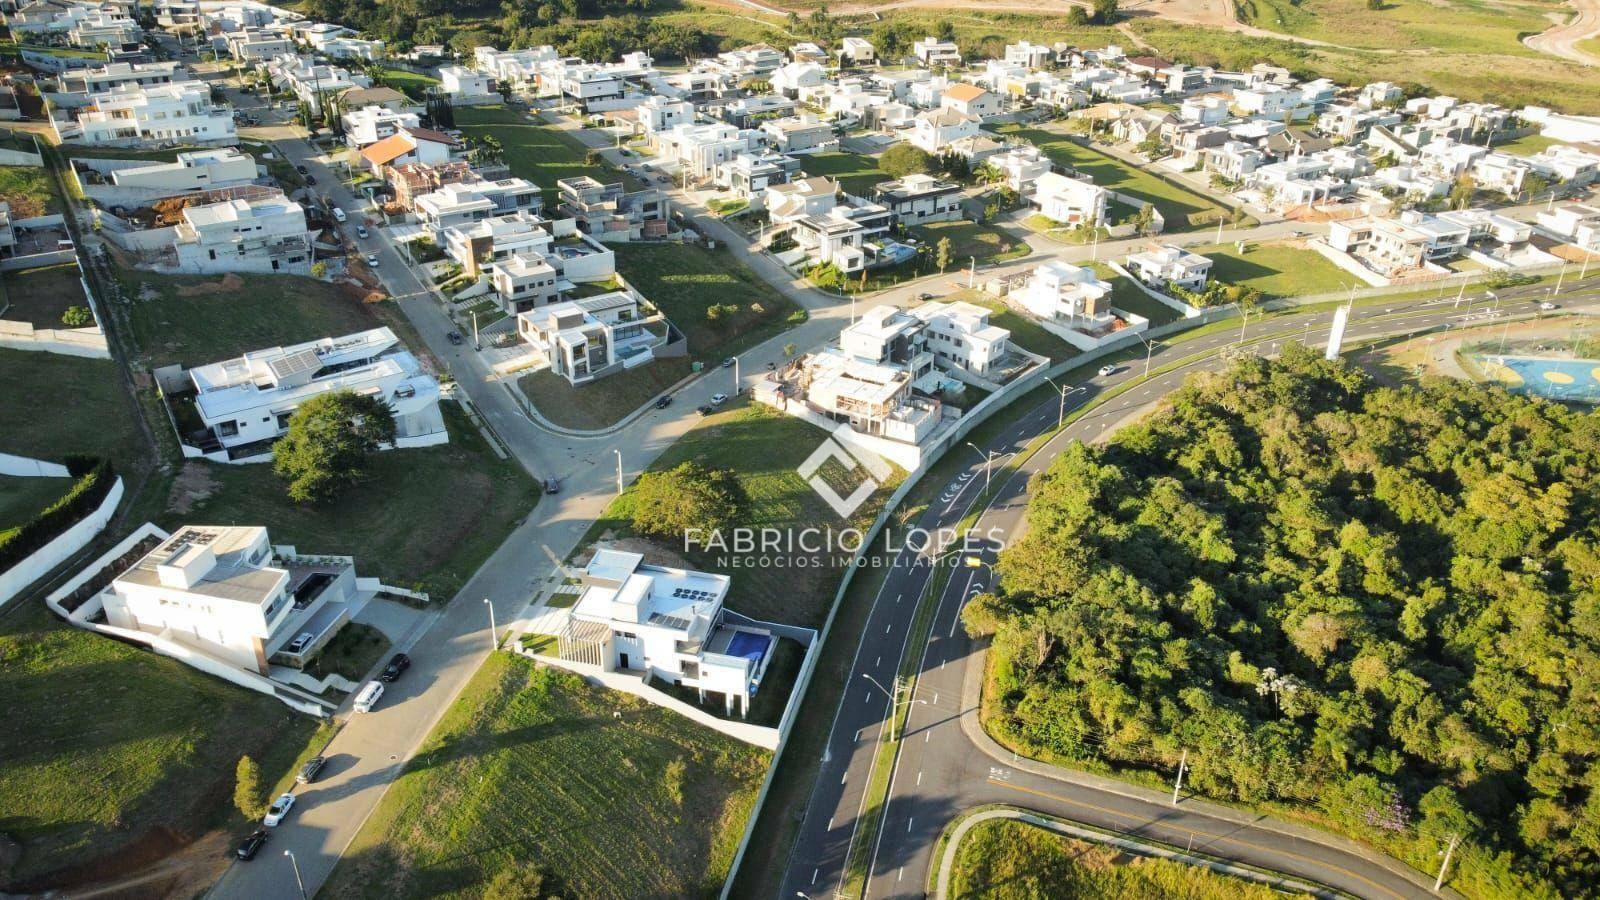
(582, 340)
(226, 591)
(193, 170)
(931, 52)
(666, 623)
(266, 235)
(1167, 264)
(246, 403)
(178, 112)
(1070, 201)
(1068, 294)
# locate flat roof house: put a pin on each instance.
(194, 170)
(132, 114)
(1073, 295)
(586, 339)
(1164, 265)
(666, 623)
(226, 591)
(931, 52)
(245, 403)
(919, 199)
(608, 212)
(262, 234)
(960, 336)
(1070, 201)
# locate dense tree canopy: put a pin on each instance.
(1379, 604)
(329, 441)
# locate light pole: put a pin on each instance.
(1061, 408)
(493, 632)
(299, 882)
(736, 376)
(1149, 348)
(618, 452)
(988, 463)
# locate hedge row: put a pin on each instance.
(94, 478)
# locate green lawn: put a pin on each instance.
(615, 797)
(1002, 859)
(427, 518)
(970, 239)
(538, 152)
(855, 173)
(194, 319)
(684, 280)
(763, 447)
(1451, 26)
(1528, 144)
(1180, 207)
(106, 748)
(101, 422)
(23, 498)
(1275, 269)
(1025, 332)
(412, 84)
(29, 191)
(40, 296)
(603, 403)
(352, 652)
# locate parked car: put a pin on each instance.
(361, 232)
(368, 698)
(302, 170)
(338, 215)
(1108, 370)
(663, 401)
(301, 642)
(250, 846)
(727, 363)
(308, 773)
(552, 486)
(398, 663)
(455, 338)
(924, 296)
(372, 260)
(704, 410)
(311, 179)
(279, 809)
(718, 399)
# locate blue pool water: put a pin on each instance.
(749, 645)
(1558, 379)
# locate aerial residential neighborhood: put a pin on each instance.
(650, 449)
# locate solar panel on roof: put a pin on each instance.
(295, 363)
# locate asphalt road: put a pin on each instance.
(947, 764)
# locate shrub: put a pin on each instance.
(77, 317)
(94, 478)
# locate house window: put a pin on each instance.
(228, 429)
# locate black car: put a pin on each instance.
(311, 179)
(310, 771)
(250, 846)
(663, 401)
(455, 338)
(302, 170)
(397, 664)
(705, 410)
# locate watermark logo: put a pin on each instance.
(844, 447)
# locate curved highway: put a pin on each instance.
(947, 764)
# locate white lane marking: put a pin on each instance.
(919, 779)
(830, 823)
(814, 875)
(908, 825)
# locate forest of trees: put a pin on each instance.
(1377, 606)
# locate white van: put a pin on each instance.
(338, 214)
(368, 698)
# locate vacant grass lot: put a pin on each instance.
(1001, 859)
(426, 519)
(970, 239)
(23, 498)
(112, 757)
(194, 320)
(1527, 145)
(410, 83)
(603, 403)
(1275, 269)
(1181, 208)
(1451, 26)
(616, 797)
(29, 191)
(683, 281)
(763, 447)
(855, 173)
(40, 296)
(538, 152)
(100, 421)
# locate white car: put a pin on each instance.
(280, 808)
(718, 399)
(338, 214)
(361, 232)
(368, 698)
(372, 260)
(1107, 370)
(1548, 305)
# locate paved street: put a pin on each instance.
(947, 764)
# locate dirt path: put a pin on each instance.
(1562, 40)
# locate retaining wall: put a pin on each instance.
(65, 545)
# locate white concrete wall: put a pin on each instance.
(28, 467)
(85, 342)
(42, 561)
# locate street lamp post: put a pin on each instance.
(494, 641)
(618, 452)
(988, 464)
(1061, 408)
(299, 882)
(1149, 348)
(736, 376)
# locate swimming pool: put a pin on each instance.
(1557, 379)
(749, 645)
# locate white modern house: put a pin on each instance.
(970, 100)
(1021, 168)
(466, 86)
(371, 124)
(190, 171)
(226, 592)
(77, 87)
(133, 114)
(668, 624)
(937, 130)
(919, 199)
(932, 52)
(857, 51)
(1070, 201)
(245, 403)
(265, 234)
(462, 202)
(1061, 292)
(582, 340)
(1167, 264)
(961, 337)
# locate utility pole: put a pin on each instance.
(1448, 851)
(494, 640)
(1177, 784)
(736, 376)
(972, 273)
(618, 452)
